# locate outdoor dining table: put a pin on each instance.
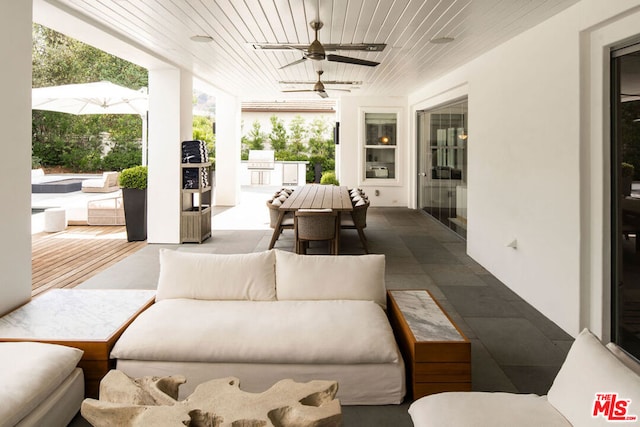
(315, 196)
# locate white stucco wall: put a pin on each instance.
(528, 172)
(351, 149)
(15, 162)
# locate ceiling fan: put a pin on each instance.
(317, 52)
(318, 87)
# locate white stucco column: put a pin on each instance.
(15, 162)
(170, 122)
(228, 112)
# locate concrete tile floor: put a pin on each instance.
(514, 347)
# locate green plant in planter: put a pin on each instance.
(329, 178)
(627, 169)
(134, 177)
(134, 194)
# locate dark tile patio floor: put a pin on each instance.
(514, 347)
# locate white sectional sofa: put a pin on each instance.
(40, 384)
(582, 394)
(267, 316)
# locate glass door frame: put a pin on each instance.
(616, 212)
(435, 159)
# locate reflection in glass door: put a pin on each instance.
(442, 164)
(625, 199)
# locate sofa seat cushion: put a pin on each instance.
(480, 409)
(301, 332)
(30, 373)
(93, 183)
(591, 369)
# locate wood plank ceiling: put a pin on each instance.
(230, 63)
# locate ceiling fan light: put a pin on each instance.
(441, 40)
(201, 38)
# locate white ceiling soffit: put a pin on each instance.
(230, 62)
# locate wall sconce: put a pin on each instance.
(463, 135)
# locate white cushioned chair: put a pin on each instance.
(590, 369)
(40, 384)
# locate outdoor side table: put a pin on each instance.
(89, 319)
(436, 353)
(55, 219)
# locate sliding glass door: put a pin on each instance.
(625, 198)
(442, 164)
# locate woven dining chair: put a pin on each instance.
(315, 225)
(274, 212)
(357, 220)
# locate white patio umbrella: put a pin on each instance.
(94, 98)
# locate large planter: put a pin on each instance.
(135, 213)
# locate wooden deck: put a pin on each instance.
(68, 258)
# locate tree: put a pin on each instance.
(256, 137)
(278, 136)
(203, 130)
(321, 146)
(321, 139)
(297, 134)
(58, 60)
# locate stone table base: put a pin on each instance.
(153, 401)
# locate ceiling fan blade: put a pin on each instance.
(294, 63)
(366, 47)
(336, 89)
(322, 93)
(298, 90)
(350, 60)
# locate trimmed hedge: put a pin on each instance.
(135, 177)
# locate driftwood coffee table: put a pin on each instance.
(152, 401)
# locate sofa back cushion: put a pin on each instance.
(217, 276)
(110, 179)
(591, 369)
(322, 277)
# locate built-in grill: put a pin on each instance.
(261, 159)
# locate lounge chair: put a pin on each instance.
(106, 184)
